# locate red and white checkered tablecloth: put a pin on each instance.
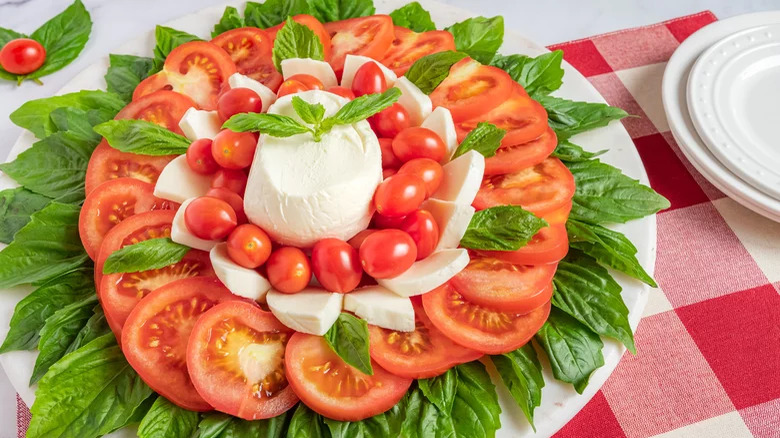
(708, 362)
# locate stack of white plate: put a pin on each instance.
(721, 92)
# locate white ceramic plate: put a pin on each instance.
(677, 112)
(732, 97)
(559, 401)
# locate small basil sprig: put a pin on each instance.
(348, 337)
(295, 40)
(145, 255)
(485, 139)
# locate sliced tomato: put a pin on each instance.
(473, 89)
(510, 159)
(120, 293)
(409, 46)
(559, 215)
(250, 48)
(107, 163)
(332, 388)
(480, 328)
(198, 69)
(549, 245)
(540, 189)
(164, 108)
(312, 23)
(365, 36)
(235, 358)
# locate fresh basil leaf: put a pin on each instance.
(142, 137)
(145, 255)
(16, 206)
(479, 37)
(605, 195)
(440, 390)
(95, 327)
(7, 35)
(572, 153)
(294, 40)
(539, 76)
(274, 125)
(125, 72)
(306, 423)
(521, 372)
(46, 247)
(231, 19)
(140, 412)
(501, 228)
(273, 12)
(485, 139)
(168, 39)
(166, 420)
(78, 122)
(573, 349)
(335, 10)
(218, 425)
(429, 71)
(362, 108)
(569, 118)
(87, 394)
(348, 337)
(413, 17)
(385, 425)
(476, 402)
(308, 112)
(423, 419)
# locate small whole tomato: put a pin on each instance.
(210, 218)
(237, 101)
(390, 121)
(342, 91)
(291, 87)
(336, 265)
(22, 56)
(200, 158)
(383, 222)
(399, 195)
(387, 253)
(358, 239)
(288, 270)
(428, 170)
(234, 150)
(387, 173)
(389, 160)
(424, 230)
(249, 246)
(368, 79)
(231, 179)
(418, 142)
(311, 82)
(232, 198)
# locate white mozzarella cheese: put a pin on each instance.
(353, 62)
(244, 282)
(301, 191)
(181, 234)
(311, 310)
(452, 218)
(197, 124)
(416, 103)
(177, 182)
(429, 273)
(440, 121)
(462, 178)
(307, 66)
(267, 95)
(381, 307)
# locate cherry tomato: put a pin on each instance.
(22, 56)
(231, 198)
(384, 222)
(390, 121)
(428, 170)
(234, 150)
(288, 269)
(389, 160)
(387, 253)
(424, 231)
(418, 142)
(336, 265)
(210, 218)
(200, 159)
(356, 241)
(231, 179)
(249, 246)
(291, 87)
(399, 195)
(369, 79)
(342, 91)
(238, 100)
(311, 82)
(387, 173)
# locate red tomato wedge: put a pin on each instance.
(409, 46)
(479, 328)
(107, 164)
(510, 159)
(504, 286)
(549, 245)
(312, 23)
(421, 354)
(332, 388)
(250, 49)
(473, 89)
(155, 336)
(365, 36)
(540, 189)
(235, 358)
(198, 69)
(164, 108)
(120, 293)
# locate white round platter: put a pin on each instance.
(559, 401)
(674, 94)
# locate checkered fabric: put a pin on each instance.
(708, 362)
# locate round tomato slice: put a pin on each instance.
(250, 48)
(155, 336)
(549, 245)
(312, 23)
(107, 163)
(560, 215)
(540, 189)
(472, 90)
(421, 354)
(480, 328)
(235, 357)
(120, 293)
(332, 388)
(365, 36)
(164, 108)
(510, 159)
(409, 46)
(198, 69)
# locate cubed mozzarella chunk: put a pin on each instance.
(462, 178)
(428, 273)
(381, 307)
(177, 182)
(197, 124)
(244, 282)
(181, 234)
(353, 62)
(311, 310)
(267, 95)
(307, 66)
(453, 220)
(440, 121)
(416, 103)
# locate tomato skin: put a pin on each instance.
(418, 142)
(427, 170)
(336, 265)
(210, 218)
(291, 86)
(549, 245)
(387, 253)
(385, 222)
(233, 199)
(399, 195)
(389, 160)
(473, 89)
(234, 150)
(231, 179)
(311, 82)
(424, 230)
(390, 121)
(249, 246)
(22, 56)
(409, 46)
(358, 239)
(250, 49)
(510, 159)
(237, 101)
(387, 173)
(366, 36)
(289, 270)
(342, 91)
(559, 215)
(200, 158)
(369, 79)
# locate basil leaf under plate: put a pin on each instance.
(16, 207)
(125, 72)
(166, 420)
(521, 373)
(167, 39)
(231, 19)
(440, 390)
(219, 425)
(539, 76)
(334, 10)
(569, 152)
(413, 17)
(272, 12)
(479, 37)
(568, 117)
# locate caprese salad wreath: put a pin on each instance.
(322, 222)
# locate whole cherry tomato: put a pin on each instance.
(22, 56)
(424, 230)
(369, 79)
(200, 158)
(210, 218)
(383, 222)
(390, 121)
(342, 91)
(389, 160)
(231, 179)
(231, 198)
(418, 142)
(310, 81)
(234, 150)
(387, 253)
(249, 246)
(291, 86)
(336, 265)
(237, 101)
(356, 241)
(387, 173)
(399, 195)
(427, 170)
(288, 269)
